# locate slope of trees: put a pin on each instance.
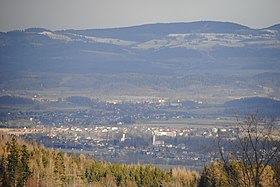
(29, 164)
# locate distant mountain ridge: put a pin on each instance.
(189, 53)
(148, 31)
(274, 27)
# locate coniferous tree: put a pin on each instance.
(276, 169)
(13, 162)
(204, 178)
(59, 169)
(25, 170)
(3, 172)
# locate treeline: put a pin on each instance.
(30, 164)
(80, 100)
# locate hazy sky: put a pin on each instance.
(81, 14)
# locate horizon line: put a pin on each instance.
(137, 25)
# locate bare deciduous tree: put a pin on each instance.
(255, 148)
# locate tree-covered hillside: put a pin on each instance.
(266, 106)
(30, 164)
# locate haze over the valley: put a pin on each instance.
(204, 61)
(191, 84)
